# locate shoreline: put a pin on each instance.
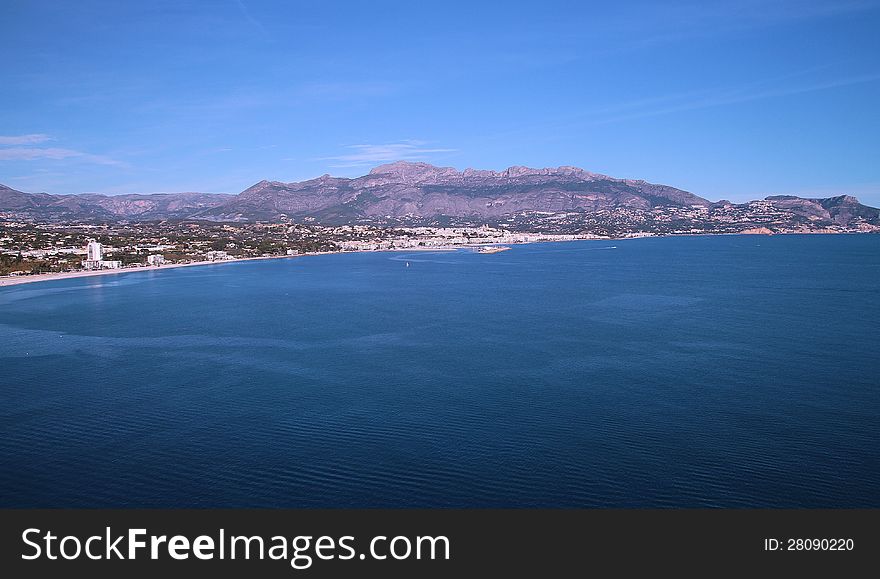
(10, 281)
(34, 278)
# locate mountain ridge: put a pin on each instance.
(406, 189)
(415, 192)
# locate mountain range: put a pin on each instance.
(93, 207)
(407, 192)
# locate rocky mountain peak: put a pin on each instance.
(402, 168)
(519, 171)
(412, 172)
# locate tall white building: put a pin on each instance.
(95, 257)
(94, 251)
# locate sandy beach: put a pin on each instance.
(34, 278)
(17, 280)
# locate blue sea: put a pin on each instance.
(730, 371)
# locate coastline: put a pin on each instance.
(10, 281)
(19, 280)
(22, 279)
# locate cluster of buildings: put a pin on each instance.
(218, 256)
(95, 257)
(438, 237)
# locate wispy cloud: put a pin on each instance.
(737, 96)
(339, 90)
(691, 101)
(19, 148)
(682, 21)
(31, 139)
(366, 155)
(253, 21)
(251, 98)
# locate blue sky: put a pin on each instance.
(731, 100)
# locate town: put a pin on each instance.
(32, 248)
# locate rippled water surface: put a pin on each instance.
(680, 372)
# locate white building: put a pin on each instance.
(155, 259)
(94, 251)
(217, 256)
(95, 257)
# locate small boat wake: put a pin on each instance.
(583, 249)
(409, 258)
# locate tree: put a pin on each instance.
(266, 246)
